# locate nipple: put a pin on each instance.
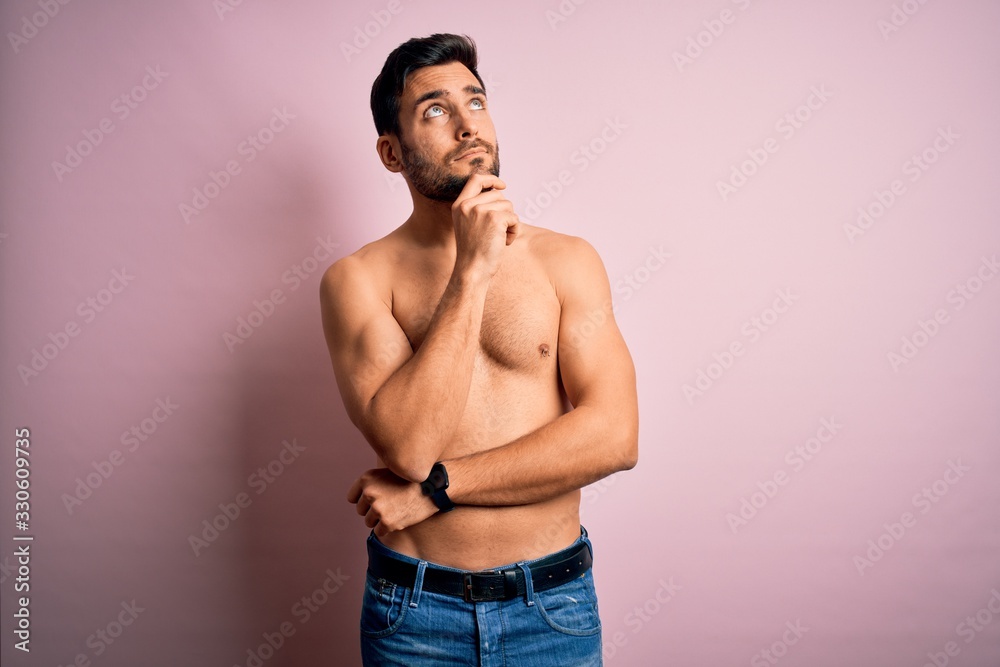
(543, 350)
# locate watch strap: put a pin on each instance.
(443, 502)
(436, 486)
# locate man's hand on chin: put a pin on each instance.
(388, 502)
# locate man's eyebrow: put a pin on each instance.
(434, 94)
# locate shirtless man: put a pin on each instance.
(479, 357)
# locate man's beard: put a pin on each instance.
(434, 181)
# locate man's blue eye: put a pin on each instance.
(434, 108)
(478, 103)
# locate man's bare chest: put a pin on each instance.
(520, 325)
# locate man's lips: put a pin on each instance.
(471, 153)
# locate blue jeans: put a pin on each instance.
(412, 627)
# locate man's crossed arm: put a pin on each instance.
(597, 438)
(386, 386)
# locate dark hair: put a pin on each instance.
(438, 49)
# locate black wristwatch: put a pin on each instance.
(436, 486)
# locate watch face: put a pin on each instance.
(437, 478)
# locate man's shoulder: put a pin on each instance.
(364, 269)
(571, 263)
(556, 247)
(564, 256)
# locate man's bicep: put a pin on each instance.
(366, 343)
(594, 361)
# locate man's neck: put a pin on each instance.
(431, 223)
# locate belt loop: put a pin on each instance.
(418, 584)
(529, 586)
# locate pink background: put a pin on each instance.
(681, 580)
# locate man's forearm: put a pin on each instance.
(415, 413)
(577, 449)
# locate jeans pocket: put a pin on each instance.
(572, 607)
(383, 608)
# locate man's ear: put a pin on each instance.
(390, 152)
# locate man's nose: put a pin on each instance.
(467, 125)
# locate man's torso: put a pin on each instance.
(515, 389)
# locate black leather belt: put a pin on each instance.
(548, 572)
